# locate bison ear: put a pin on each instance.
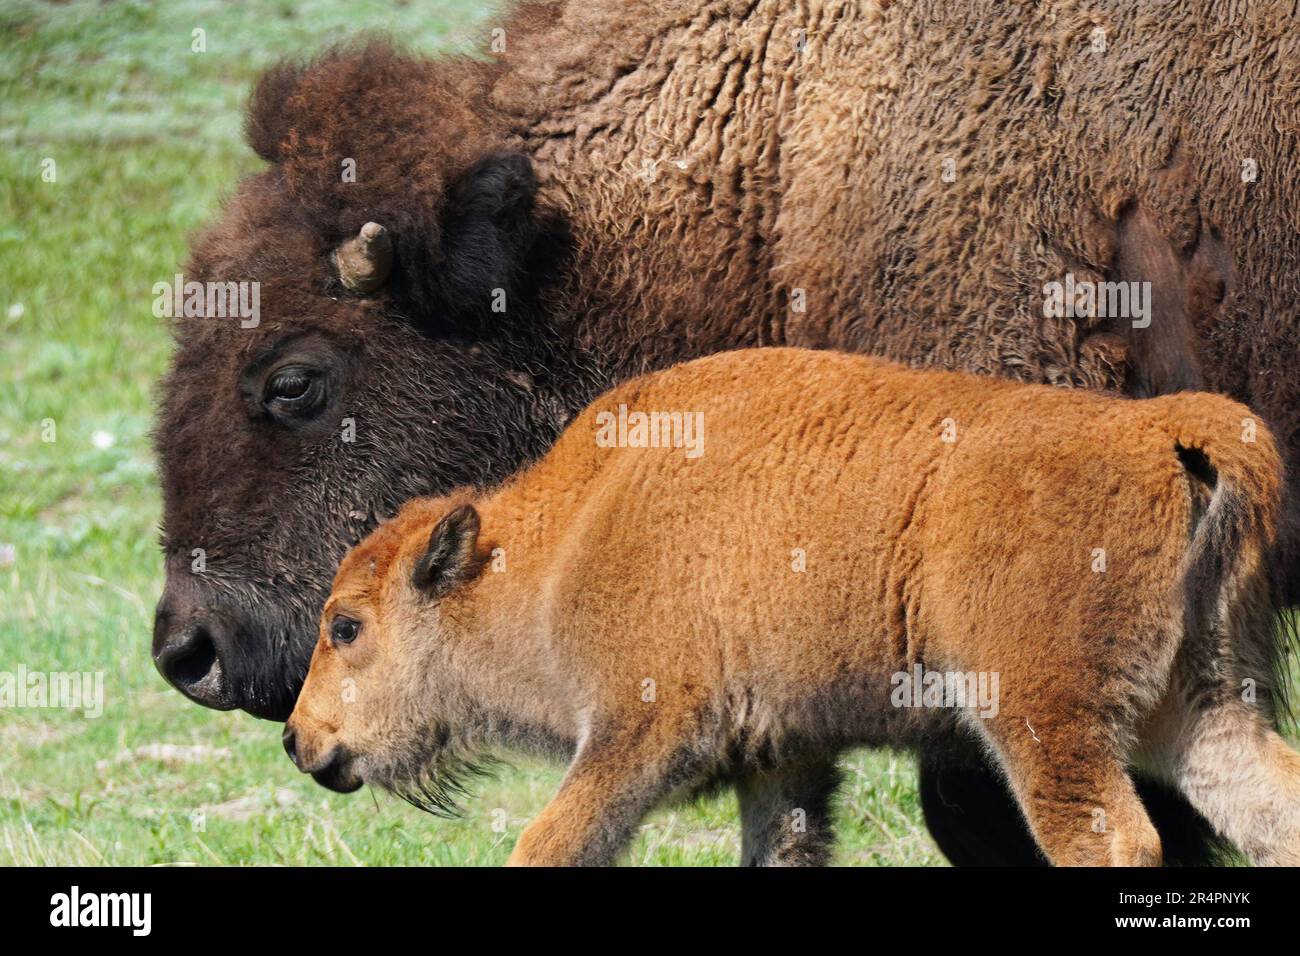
(488, 231)
(267, 123)
(449, 559)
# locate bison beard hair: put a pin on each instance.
(439, 779)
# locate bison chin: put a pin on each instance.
(331, 779)
(332, 768)
(232, 651)
(337, 775)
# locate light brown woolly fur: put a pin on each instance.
(743, 615)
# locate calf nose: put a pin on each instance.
(186, 653)
(291, 745)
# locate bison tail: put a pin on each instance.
(1232, 584)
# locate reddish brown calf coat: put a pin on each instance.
(742, 615)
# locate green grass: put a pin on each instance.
(145, 139)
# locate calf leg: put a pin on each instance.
(1077, 796)
(613, 782)
(785, 815)
(1240, 774)
(976, 821)
(1096, 822)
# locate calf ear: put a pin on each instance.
(449, 559)
(488, 231)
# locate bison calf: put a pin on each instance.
(729, 571)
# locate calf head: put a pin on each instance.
(381, 700)
(399, 352)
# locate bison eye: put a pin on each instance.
(294, 390)
(344, 630)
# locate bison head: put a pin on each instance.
(399, 350)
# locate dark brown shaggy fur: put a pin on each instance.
(648, 182)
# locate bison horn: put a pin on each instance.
(365, 260)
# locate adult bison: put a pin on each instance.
(623, 186)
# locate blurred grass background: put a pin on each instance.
(145, 139)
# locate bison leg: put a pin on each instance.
(972, 814)
(974, 819)
(785, 815)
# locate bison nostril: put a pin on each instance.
(190, 662)
(194, 660)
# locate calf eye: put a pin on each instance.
(344, 630)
